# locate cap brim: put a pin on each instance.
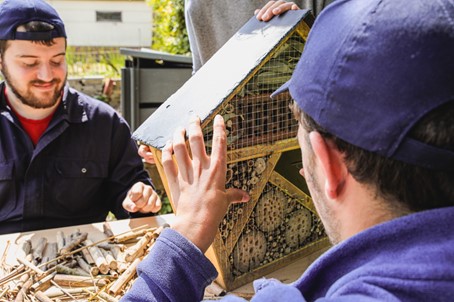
(281, 89)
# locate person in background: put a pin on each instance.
(65, 158)
(224, 19)
(212, 23)
(374, 98)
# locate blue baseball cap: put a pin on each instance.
(372, 69)
(14, 13)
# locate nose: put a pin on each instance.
(45, 73)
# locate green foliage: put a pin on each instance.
(87, 61)
(166, 207)
(169, 28)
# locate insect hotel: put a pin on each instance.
(279, 224)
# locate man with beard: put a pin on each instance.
(374, 98)
(65, 158)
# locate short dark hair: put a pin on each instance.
(33, 26)
(414, 187)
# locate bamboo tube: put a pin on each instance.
(113, 273)
(122, 266)
(63, 290)
(110, 259)
(97, 255)
(31, 266)
(78, 281)
(139, 248)
(131, 235)
(118, 285)
(158, 231)
(116, 251)
(42, 297)
(107, 297)
(54, 292)
(42, 284)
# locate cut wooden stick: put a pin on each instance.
(50, 253)
(27, 246)
(69, 246)
(39, 249)
(127, 275)
(87, 256)
(111, 261)
(61, 269)
(97, 255)
(107, 229)
(60, 236)
(92, 270)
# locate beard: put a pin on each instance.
(330, 221)
(29, 98)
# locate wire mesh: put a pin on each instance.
(274, 223)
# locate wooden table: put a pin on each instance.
(10, 246)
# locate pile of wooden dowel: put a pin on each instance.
(74, 268)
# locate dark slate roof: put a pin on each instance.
(218, 78)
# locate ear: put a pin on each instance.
(332, 163)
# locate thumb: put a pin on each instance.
(136, 191)
(237, 195)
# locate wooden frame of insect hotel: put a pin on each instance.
(279, 224)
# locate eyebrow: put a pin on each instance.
(31, 56)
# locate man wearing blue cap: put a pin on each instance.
(65, 158)
(374, 97)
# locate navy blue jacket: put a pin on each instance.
(410, 258)
(81, 168)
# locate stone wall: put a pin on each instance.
(93, 86)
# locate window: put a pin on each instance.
(108, 16)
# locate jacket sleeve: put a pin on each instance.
(125, 166)
(175, 270)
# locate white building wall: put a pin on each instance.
(83, 30)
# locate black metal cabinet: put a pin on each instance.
(148, 79)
